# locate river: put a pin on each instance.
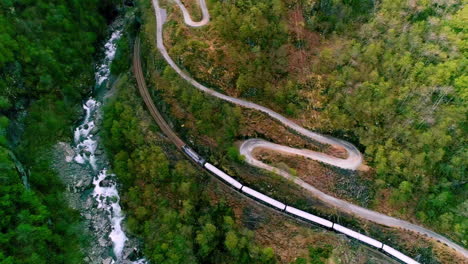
(92, 190)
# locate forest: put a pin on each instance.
(158, 187)
(399, 86)
(47, 51)
(389, 76)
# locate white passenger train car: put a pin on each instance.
(358, 236)
(309, 217)
(223, 176)
(263, 198)
(294, 211)
(397, 254)
(370, 241)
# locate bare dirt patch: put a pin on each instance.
(254, 124)
(304, 46)
(257, 125)
(350, 186)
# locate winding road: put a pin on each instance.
(353, 161)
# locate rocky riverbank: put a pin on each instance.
(83, 167)
(81, 180)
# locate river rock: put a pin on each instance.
(89, 202)
(101, 224)
(99, 152)
(79, 184)
(107, 261)
(95, 130)
(83, 184)
(107, 182)
(130, 253)
(103, 242)
(68, 150)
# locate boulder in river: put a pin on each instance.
(83, 184)
(95, 130)
(107, 182)
(68, 150)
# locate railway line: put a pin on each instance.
(353, 160)
(138, 72)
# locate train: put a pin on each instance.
(193, 155)
(297, 213)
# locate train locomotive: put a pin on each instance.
(194, 155)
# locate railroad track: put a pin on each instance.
(138, 72)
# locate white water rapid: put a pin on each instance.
(105, 190)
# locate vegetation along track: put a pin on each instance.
(352, 162)
(147, 98)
